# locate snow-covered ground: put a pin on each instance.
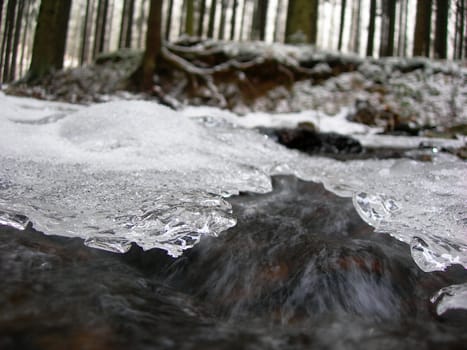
(135, 171)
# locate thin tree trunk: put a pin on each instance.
(84, 34)
(189, 19)
(258, 30)
(302, 21)
(233, 20)
(342, 23)
(16, 40)
(422, 28)
(168, 24)
(108, 26)
(126, 26)
(355, 27)
(99, 34)
(371, 29)
(242, 22)
(7, 39)
(212, 19)
(142, 15)
(25, 35)
(402, 42)
(202, 13)
(388, 28)
(142, 79)
(129, 28)
(441, 30)
(224, 4)
(1, 13)
(462, 35)
(278, 21)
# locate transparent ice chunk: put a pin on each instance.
(451, 297)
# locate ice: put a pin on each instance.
(137, 172)
(452, 297)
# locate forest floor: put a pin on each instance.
(399, 96)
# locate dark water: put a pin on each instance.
(301, 270)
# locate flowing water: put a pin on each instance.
(300, 270)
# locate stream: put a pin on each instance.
(300, 270)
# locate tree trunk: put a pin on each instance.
(126, 26)
(142, 78)
(302, 21)
(402, 42)
(8, 39)
(168, 24)
(233, 23)
(212, 19)
(441, 31)
(140, 24)
(25, 35)
(461, 35)
(341, 27)
(99, 34)
(388, 26)
(258, 30)
(83, 57)
(50, 38)
(371, 29)
(189, 17)
(1, 14)
(202, 12)
(278, 21)
(242, 21)
(224, 5)
(16, 39)
(355, 27)
(422, 28)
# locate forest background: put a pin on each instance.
(83, 29)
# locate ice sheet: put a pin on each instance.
(134, 171)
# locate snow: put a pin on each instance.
(323, 122)
(137, 172)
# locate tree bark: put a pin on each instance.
(142, 78)
(441, 31)
(422, 28)
(302, 21)
(371, 29)
(50, 38)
